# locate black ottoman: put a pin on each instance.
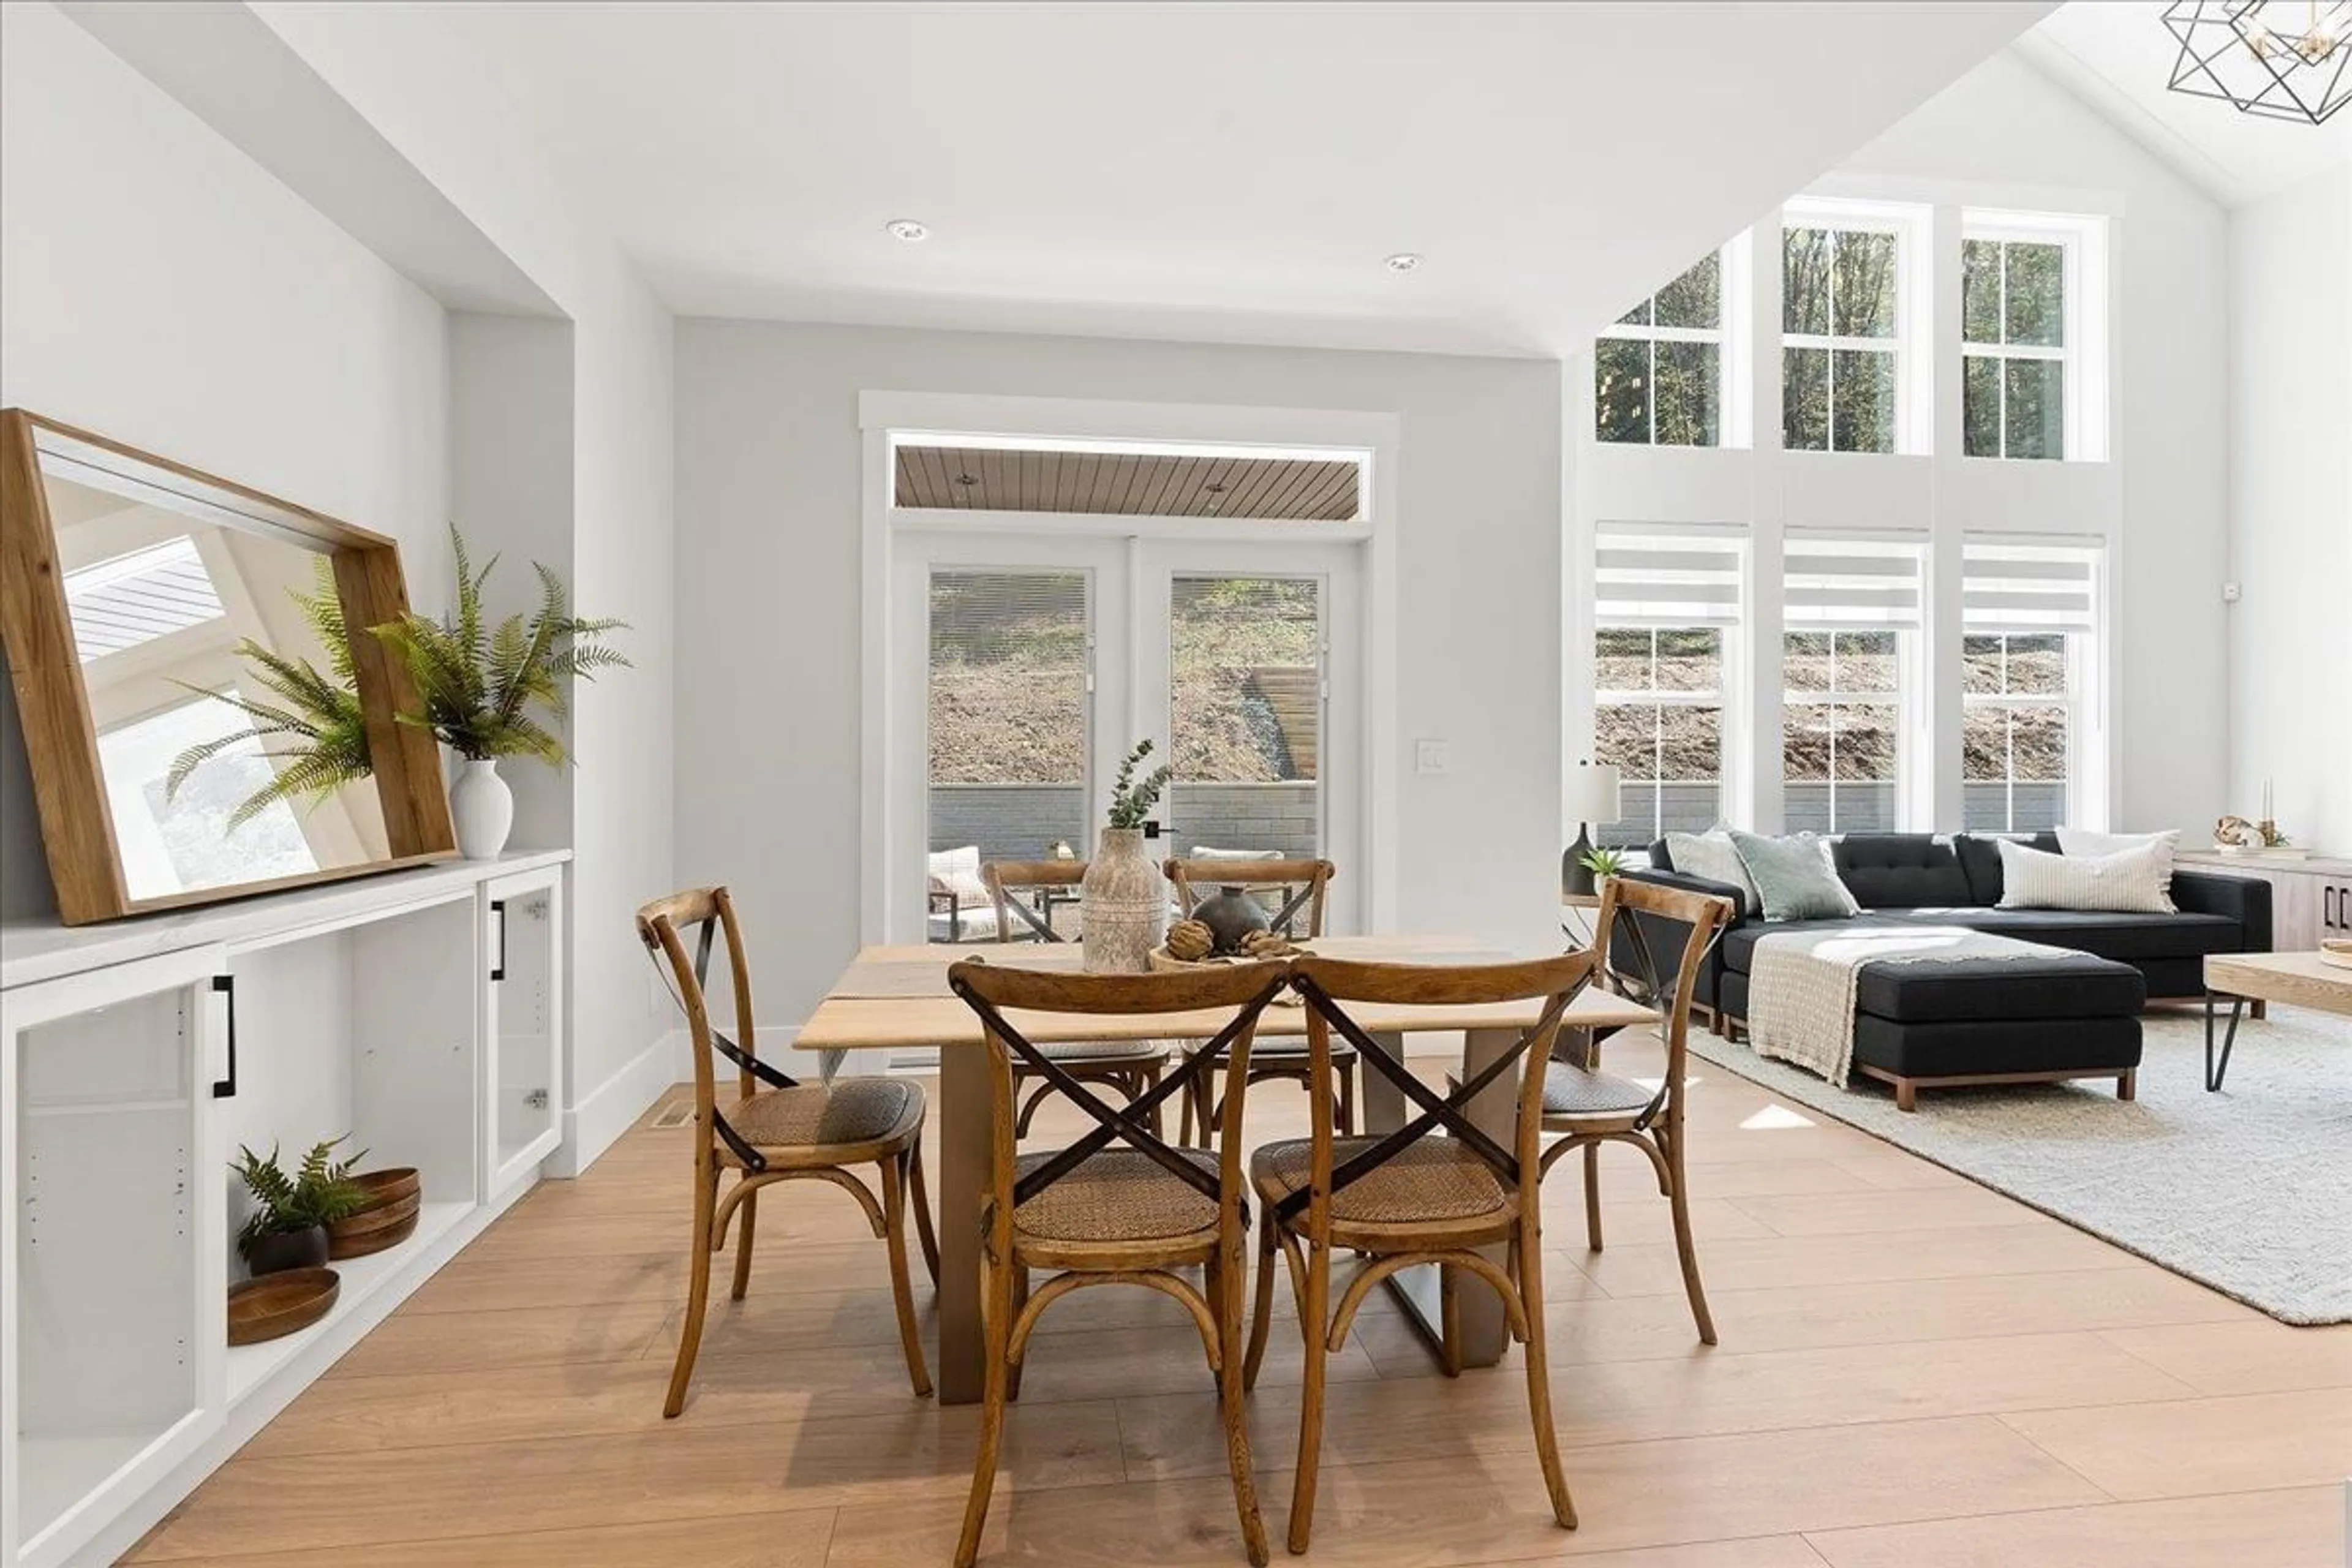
(1995, 1020)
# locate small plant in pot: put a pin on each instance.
(1603, 863)
(486, 690)
(291, 1213)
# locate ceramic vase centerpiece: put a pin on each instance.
(1125, 908)
(478, 686)
(1231, 915)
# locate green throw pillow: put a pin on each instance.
(1796, 878)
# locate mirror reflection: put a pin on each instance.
(230, 733)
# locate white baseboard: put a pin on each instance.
(612, 1107)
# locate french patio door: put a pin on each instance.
(1025, 668)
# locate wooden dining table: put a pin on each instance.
(896, 998)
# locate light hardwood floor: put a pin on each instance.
(1914, 1372)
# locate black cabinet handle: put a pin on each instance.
(2327, 897)
(498, 965)
(226, 985)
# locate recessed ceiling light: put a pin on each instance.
(907, 229)
(1402, 261)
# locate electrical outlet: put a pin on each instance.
(1432, 757)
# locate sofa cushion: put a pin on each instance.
(1794, 876)
(1713, 857)
(1901, 870)
(1970, 1049)
(1979, 858)
(2063, 986)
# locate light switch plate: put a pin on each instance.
(1432, 757)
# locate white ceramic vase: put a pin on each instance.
(483, 808)
(1125, 912)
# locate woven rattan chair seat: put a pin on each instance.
(1435, 1179)
(1574, 1091)
(1103, 1050)
(1119, 1194)
(852, 1111)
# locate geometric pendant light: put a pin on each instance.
(2280, 59)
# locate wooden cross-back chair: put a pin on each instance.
(1305, 887)
(1408, 1198)
(1131, 1067)
(773, 1129)
(1103, 1214)
(1651, 941)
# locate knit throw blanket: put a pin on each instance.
(1801, 985)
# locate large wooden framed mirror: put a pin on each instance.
(162, 626)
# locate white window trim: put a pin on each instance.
(2085, 316)
(1914, 313)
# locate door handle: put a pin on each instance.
(499, 964)
(226, 985)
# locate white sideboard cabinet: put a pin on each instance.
(421, 1014)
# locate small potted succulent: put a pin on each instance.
(1603, 863)
(287, 1229)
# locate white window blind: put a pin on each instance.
(1666, 579)
(2020, 589)
(1851, 583)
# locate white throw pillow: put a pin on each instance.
(2123, 882)
(1713, 857)
(2083, 841)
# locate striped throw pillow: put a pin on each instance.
(2128, 882)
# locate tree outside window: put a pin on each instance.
(1658, 719)
(1841, 730)
(2015, 731)
(1657, 375)
(2014, 347)
(1840, 338)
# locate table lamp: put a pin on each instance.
(1590, 796)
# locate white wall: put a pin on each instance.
(2290, 311)
(2004, 136)
(768, 615)
(158, 287)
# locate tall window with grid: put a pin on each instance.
(1664, 610)
(2015, 349)
(2029, 619)
(1847, 660)
(1841, 337)
(1657, 373)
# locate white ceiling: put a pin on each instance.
(2117, 55)
(1233, 171)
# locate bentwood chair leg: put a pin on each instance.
(745, 1227)
(1226, 1274)
(1592, 1196)
(1185, 1119)
(1315, 1330)
(1269, 1258)
(697, 1294)
(1020, 1299)
(998, 1287)
(1146, 1080)
(894, 1237)
(922, 1202)
(1530, 1283)
(1680, 1200)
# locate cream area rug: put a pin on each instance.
(2248, 1191)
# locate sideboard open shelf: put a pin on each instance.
(421, 1014)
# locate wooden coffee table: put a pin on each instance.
(2298, 979)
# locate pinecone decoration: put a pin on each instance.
(1189, 941)
(1268, 944)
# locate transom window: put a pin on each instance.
(1840, 334)
(2014, 337)
(1657, 375)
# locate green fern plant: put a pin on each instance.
(310, 726)
(1131, 799)
(319, 1192)
(480, 684)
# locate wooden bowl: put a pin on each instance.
(279, 1304)
(390, 1218)
(2337, 952)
